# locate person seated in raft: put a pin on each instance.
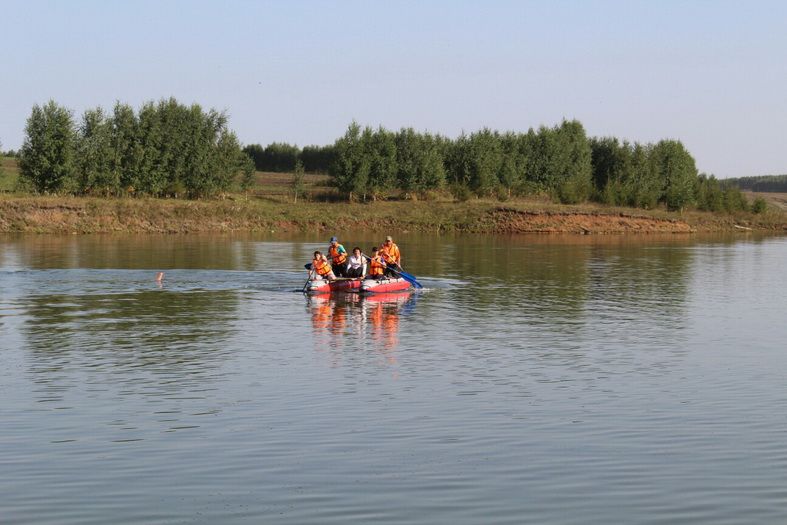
(376, 265)
(356, 264)
(321, 267)
(338, 256)
(391, 255)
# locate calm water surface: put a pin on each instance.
(545, 379)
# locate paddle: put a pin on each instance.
(407, 277)
(404, 275)
(308, 267)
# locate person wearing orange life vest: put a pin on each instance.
(321, 267)
(376, 265)
(391, 255)
(338, 256)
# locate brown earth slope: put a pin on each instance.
(237, 213)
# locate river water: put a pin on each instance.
(535, 379)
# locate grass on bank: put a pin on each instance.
(268, 205)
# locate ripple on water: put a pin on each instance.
(596, 383)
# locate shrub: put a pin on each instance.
(461, 192)
(759, 205)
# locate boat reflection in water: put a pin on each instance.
(344, 322)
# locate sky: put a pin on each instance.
(712, 74)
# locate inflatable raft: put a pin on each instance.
(384, 285)
(318, 286)
(339, 285)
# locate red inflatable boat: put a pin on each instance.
(384, 285)
(339, 285)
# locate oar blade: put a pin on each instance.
(409, 278)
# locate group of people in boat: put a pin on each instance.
(383, 262)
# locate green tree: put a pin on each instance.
(277, 156)
(573, 163)
(126, 147)
(297, 185)
(152, 177)
(709, 195)
(459, 162)
(513, 167)
(759, 205)
(380, 150)
(419, 162)
(255, 153)
(47, 155)
(317, 159)
(486, 160)
(226, 162)
(643, 186)
(677, 172)
(95, 155)
(350, 168)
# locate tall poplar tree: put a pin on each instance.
(47, 155)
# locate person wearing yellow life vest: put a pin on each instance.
(338, 256)
(389, 251)
(376, 265)
(321, 267)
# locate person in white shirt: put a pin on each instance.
(356, 264)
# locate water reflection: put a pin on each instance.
(353, 322)
(157, 344)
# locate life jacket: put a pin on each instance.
(377, 267)
(390, 254)
(338, 258)
(321, 266)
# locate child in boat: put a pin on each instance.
(321, 267)
(356, 264)
(376, 265)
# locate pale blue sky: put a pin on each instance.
(710, 73)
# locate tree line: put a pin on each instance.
(282, 157)
(170, 149)
(762, 183)
(164, 149)
(559, 161)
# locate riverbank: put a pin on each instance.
(76, 215)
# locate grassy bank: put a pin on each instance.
(241, 213)
(269, 207)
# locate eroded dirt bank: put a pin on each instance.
(94, 215)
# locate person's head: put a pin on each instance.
(317, 254)
(334, 240)
(388, 240)
(357, 251)
(374, 250)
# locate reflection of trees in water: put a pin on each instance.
(156, 342)
(124, 251)
(349, 322)
(574, 311)
(512, 279)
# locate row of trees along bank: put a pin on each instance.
(164, 149)
(282, 157)
(560, 161)
(169, 149)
